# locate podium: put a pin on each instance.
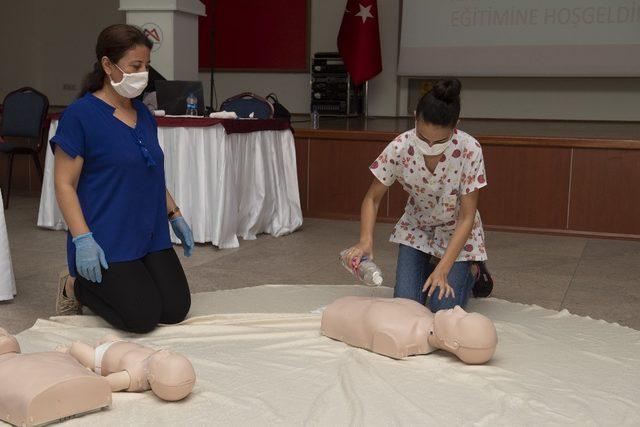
(172, 26)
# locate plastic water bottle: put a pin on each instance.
(315, 118)
(192, 105)
(367, 272)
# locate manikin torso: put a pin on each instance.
(38, 388)
(398, 327)
(356, 321)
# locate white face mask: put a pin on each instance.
(426, 149)
(131, 84)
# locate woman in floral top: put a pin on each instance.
(440, 234)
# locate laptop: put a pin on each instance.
(172, 96)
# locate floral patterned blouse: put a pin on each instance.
(431, 213)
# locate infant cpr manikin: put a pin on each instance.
(135, 368)
(38, 388)
(398, 327)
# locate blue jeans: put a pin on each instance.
(412, 272)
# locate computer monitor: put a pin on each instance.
(172, 95)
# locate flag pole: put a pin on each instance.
(366, 99)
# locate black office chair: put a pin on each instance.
(22, 131)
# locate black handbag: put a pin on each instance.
(279, 110)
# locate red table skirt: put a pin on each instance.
(230, 125)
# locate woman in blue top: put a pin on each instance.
(110, 186)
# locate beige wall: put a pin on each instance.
(293, 88)
(546, 98)
(17, 45)
(47, 44)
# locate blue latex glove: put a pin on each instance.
(183, 232)
(89, 258)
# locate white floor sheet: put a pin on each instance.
(260, 360)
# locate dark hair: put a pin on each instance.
(441, 105)
(113, 42)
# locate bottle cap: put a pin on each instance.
(377, 278)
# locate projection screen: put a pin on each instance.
(589, 38)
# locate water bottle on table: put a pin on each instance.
(367, 272)
(192, 105)
(315, 118)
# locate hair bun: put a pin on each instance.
(447, 90)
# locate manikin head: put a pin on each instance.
(171, 375)
(8, 343)
(470, 336)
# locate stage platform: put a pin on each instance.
(558, 177)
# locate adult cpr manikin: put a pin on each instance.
(398, 327)
(38, 388)
(136, 368)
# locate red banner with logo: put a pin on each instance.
(255, 35)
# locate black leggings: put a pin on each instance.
(137, 295)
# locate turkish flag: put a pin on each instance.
(359, 40)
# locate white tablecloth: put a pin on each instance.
(227, 186)
(7, 281)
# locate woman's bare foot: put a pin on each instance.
(68, 287)
(475, 270)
